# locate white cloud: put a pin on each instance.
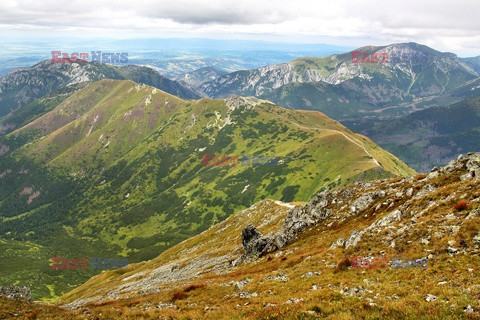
(444, 25)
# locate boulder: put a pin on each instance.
(256, 244)
(16, 292)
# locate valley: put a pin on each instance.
(115, 169)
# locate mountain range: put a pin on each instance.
(344, 89)
(362, 96)
(101, 160)
(21, 89)
(365, 96)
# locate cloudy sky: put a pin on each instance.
(444, 25)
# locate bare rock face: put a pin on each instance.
(249, 234)
(473, 166)
(256, 244)
(16, 292)
(259, 81)
(297, 220)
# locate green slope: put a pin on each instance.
(28, 93)
(115, 170)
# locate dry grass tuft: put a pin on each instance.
(343, 265)
(194, 287)
(420, 176)
(461, 205)
(179, 295)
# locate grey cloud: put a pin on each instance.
(221, 12)
(181, 11)
(424, 14)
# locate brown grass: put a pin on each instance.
(194, 287)
(343, 265)
(420, 176)
(179, 295)
(410, 286)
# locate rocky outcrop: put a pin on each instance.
(393, 199)
(472, 164)
(300, 218)
(16, 292)
(256, 244)
(236, 102)
(297, 220)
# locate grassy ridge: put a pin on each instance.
(115, 170)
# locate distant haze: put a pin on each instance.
(171, 57)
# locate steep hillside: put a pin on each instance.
(430, 137)
(116, 170)
(20, 88)
(413, 75)
(288, 261)
(473, 62)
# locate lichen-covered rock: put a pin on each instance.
(476, 240)
(353, 239)
(16, 292)
(363, 202)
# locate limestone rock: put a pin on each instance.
(431, 298)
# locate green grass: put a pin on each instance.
(118, 171)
